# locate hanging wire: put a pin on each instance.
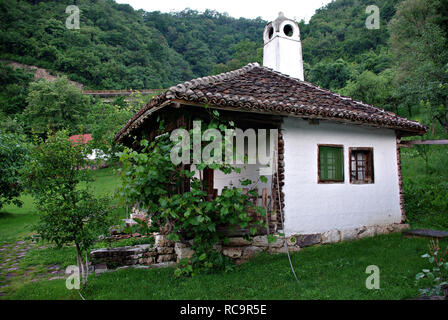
(281, 215)
(81, 295)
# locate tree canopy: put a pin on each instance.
(54, 106)
(419, 42)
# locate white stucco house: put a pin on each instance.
(337, 168)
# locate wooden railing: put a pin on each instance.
(411, 143)
(272, 220)
(118, 93)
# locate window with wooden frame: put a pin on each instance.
(361, 165)
(330, 163)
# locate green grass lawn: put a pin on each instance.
(334, 271)
(16, 223)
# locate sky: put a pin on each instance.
(267, 9)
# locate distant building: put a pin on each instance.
(85, 139)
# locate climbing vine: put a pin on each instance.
(150, 177)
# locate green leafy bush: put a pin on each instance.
(55, 105)
(14, 89)
(435, 280)
(427, 201)
(13, 155)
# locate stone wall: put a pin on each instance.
(239, 249)
(145, 254)
(400, 180)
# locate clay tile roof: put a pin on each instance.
(260, 89)
(81, 138)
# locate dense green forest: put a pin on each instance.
(401, 67)
(118, 47)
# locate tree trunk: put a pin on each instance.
(87, 266)
(443, 122)
(410, 111)
(80, 265)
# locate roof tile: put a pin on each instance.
(259, 89)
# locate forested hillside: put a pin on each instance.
(117, 47)
(120, 48)
(401, 67)
(337, 46)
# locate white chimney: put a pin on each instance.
(283, 48)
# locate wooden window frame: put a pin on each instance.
(369, 165)
(319, 180)
(208, 179)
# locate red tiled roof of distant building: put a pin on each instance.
(81, 138)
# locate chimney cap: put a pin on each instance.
(277, 22)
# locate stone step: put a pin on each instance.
(426, 233)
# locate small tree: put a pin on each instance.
(57, 105)
(13, 155)
(69, 212)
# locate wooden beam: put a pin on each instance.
(427, 142)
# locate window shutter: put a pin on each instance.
(323, 163)
(339, 163)
(370, 166)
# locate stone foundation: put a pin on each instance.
(164, 251)
(242, 250)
